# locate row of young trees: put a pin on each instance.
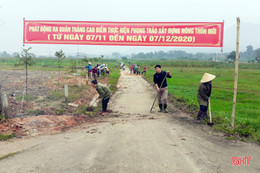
(26, 59)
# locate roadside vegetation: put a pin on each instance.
(6, 137)
(185, 82)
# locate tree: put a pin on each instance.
(257, 54)
(249, 49)
(161, 54)
(101, 58)
(85, 60)
(61, 56)
(249, 52)
(4, 54)
(26, 59)
(95, 59)
(124, 58)
(15, 54)
(141, 55)
(232, 56)
(116, 54)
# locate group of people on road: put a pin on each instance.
(160, 81)
(95, 72)
(135, 69)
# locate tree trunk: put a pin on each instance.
(1, 105)
(26, 80)
(59, 79)
(5, 106)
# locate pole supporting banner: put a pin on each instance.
(236, 74)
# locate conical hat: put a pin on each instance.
(207, 77)
(89, 62)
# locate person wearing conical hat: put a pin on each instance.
(203, 95)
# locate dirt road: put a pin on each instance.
(132, 140)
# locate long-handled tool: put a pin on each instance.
(157, 93)
(94, 102)
(210, 118)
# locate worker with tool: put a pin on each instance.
(104, 93)
(94, 72)
(160, 82)
(203, 95)
(89, 67)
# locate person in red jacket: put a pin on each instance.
(131, 68)
(94, 72)
(144, 70)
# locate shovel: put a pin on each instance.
(210, 118)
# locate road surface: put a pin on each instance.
(130, 140)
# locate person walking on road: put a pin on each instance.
(160, 82)
(203, 95)
(104, 94)
(137, 69)
(144, 71)
(132, 68)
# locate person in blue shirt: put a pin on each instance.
(89, 67)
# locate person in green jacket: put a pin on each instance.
(104, 93)
(203, 95)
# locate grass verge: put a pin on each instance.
(183, 93)
(6, 137)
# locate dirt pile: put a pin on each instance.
(43, 124)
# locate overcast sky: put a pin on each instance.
(13, 11)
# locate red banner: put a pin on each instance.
(193, 34)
